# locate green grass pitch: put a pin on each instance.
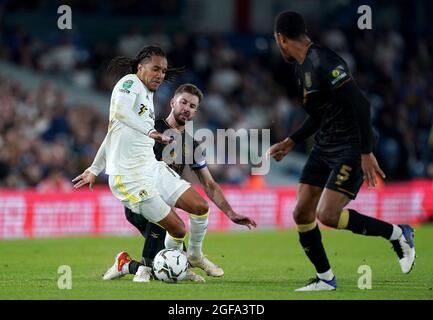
(258, 265)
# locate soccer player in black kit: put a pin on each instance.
(189, 149)
(341, 157)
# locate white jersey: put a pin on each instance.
(128, 148)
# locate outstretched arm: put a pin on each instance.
(279, 150)
(214, 192)
(89, 175)
(99, 162)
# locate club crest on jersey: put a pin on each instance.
(307, 77)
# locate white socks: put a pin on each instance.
(396, 232)
(173, 243)
(197, 229)
(328, 275)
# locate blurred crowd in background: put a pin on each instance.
(44, 142)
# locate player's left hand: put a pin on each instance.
(242, 220)
(370, 167)
(85, 178)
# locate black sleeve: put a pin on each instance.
(350, 96)
(333, 69)
(199, 158)
(157, 150)
(308, 127)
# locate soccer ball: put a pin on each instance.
(170, 265)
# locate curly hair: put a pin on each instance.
(121, 66)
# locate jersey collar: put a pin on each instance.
(168, 125)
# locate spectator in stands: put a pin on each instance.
(241, 91)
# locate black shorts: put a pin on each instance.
(340, 172)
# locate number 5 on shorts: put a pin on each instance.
(343, 175)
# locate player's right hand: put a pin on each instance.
(279, 150)
(85, 178)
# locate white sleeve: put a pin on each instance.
(124, 104)
(99, 162)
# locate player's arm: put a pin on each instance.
(99, 161)
(336, 76)
(124, 104)
(279, 150)
(349, 95)
(89, 175)
(125, 112)
(216, 195)
(306, 130)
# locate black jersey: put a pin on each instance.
(190, 151)
(318, 76)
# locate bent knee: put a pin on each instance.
(327, 217)
(179, 231)
(200, 208)
(303, 216)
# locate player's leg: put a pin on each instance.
(141, 223)
(177, 242)
(155, 242)
(313, 179)
(198, 209)
(155, 209)
(343, 186)
(331, 213)
(123, 263)
(154, 236)
(140, 197)
(175, 228)
(310, 238)
(178, 193)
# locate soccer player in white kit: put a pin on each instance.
(143, 184)
(184, 104)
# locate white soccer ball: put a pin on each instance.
(170, 265)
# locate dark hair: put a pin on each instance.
(189, 88)
(290, 24)
(121, 66)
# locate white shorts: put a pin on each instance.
(152, 194)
